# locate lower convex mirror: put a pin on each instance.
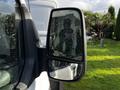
(65, 70)
(66, 44)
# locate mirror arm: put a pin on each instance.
(70, 60)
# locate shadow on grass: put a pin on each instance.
(103, 64)
(103, 51)
(111, 47)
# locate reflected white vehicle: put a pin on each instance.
(69, 72)
(89, 38)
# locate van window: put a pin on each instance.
(40, 15)
(8, 56)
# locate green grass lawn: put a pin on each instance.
(103, 68)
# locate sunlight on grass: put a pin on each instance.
(97, 50)
(102, 58)
(104, 72)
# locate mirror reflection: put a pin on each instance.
(65, 34)
(64, 70)
(8, 49)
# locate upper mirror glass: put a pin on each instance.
(66, 34)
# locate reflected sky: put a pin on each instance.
(7, 1)
(7, 6)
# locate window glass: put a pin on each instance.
(40, 15)
(8, 56)
(40, 19)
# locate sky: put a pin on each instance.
(92, 5)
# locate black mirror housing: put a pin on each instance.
(66, 44)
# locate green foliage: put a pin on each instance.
(111, 10)
(98, 22)
(117, 27)
(89, 20)
(92, 21)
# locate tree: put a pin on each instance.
(111, 10)
(117, 27)
(99, 22)
(92, 21)
(89, 20)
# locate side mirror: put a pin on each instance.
(66, 44)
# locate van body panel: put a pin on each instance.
(41, 24)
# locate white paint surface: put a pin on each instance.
(41, 83)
